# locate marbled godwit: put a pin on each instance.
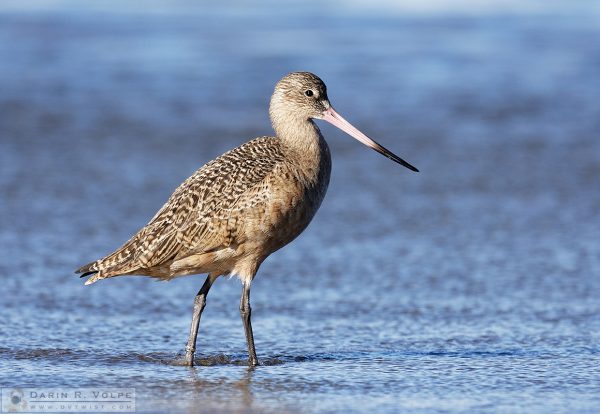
(241, 207)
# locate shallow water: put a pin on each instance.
(472, 286)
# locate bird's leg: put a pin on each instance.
(199, 304)
(245, 312)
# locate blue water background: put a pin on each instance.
(473, 286)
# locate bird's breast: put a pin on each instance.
(296, 191)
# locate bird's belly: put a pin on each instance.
(287, 222)
(266, 220)
(265, 230)
(285, 216)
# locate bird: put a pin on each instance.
(237, 209)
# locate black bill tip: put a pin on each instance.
(389, 154)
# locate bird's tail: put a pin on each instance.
(91, 269)
(111, 265)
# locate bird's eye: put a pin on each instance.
(309, 93)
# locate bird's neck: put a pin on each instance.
(305, 146)
(302, 135)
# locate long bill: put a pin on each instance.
(331, 116)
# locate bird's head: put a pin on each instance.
(300, 97)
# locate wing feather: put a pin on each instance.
(198, 215)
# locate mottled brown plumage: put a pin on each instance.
(241, 207)
(229, 210)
